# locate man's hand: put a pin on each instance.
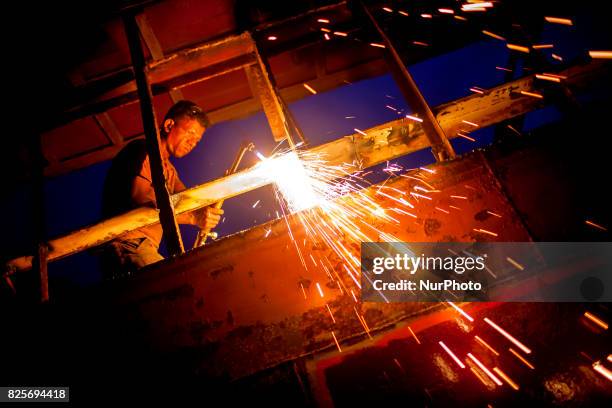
(209, 217)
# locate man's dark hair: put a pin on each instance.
(187, 109)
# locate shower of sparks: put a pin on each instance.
(508, 336)
(450, 353)
(310, 89)
(558, 20)
(596, 320)
(309, 187)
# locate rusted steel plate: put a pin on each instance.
(237, 306)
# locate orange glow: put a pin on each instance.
(485, 369)
(450, 353)
(506, 378)
(596, 320)
(521, 358)
(484, 343)
(508, 336)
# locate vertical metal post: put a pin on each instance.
(39, 264)
(277, 112)
(166, 209)
(440, 146)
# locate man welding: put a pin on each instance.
(129, 185)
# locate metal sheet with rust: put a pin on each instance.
(238, 304)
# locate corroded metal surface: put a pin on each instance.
(236, 306)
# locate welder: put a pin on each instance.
(129, 185)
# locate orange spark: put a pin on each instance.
(336, 341)
(485, 369)
(521, 358)
(461, 311)
(310, 89)
(532, 94)
(450, 353)
(484, 343)
(506, 378)
(490, 34)
(446, 11)
(508, 336)
(600, 54)
(377, 45)
(516, 47)
(484, 231)
(323, 20)
(542, 46)
(272, 38)
(558, 20)
(515, 264)
(592, 224)
(596, 320)
(340, 33)
(597, 366)
(414, 335)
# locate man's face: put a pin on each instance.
(183, 135)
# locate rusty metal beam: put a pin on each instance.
(263, 88)
(167, 217)
(208, 59)
(381, 143)
(150, 39)
(440, 146)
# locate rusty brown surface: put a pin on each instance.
(236, 306)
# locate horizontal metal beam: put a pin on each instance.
(381, 143)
